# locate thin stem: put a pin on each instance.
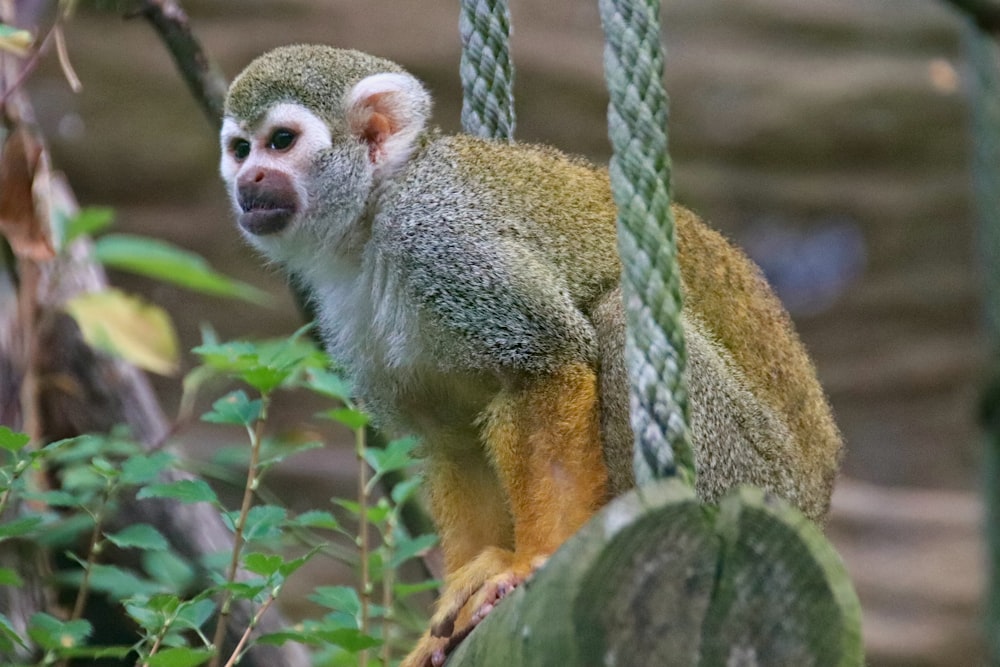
(83, 593)
(256, 438)
(94, 550)
(246, 633)
(19, 469)
(28, 67)
(387, 581)
(159, 640)
(67, 67)
(366, 586)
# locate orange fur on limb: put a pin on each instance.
(542, 441)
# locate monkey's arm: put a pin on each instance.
(509, 317)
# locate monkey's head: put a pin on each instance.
(308, 132)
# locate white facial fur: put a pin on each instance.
(296, 160)
(384, 114)
(312, 136)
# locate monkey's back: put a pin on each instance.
(730, 314)
(754, 333)
(757, 405)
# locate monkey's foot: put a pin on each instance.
(472, 593)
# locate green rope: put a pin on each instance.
(486, 69)
(984, 60)
(640, 178)
(640, 182)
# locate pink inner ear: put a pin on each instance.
(375, 132)
(374, 122)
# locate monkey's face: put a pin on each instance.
(301, 178)
(268, 168)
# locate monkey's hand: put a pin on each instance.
(470, 596)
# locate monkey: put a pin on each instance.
(471, 290)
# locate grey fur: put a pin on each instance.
(475, 265)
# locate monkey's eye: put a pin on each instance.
(240, 148)
(282, 138)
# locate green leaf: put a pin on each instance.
(151, 612)
(351, 506)
(264, 522)
(281, 360)
(61, 531)
(164, 261)
(338, 598)
(266, 379)
(168, 569)
(349, 639)
(9, 577)
(14, 40)
(277, 450)
(139, 536)
(140, 468)
(105, 468)
(378, 514)
(53, 635)
(352, 419)
(281, 637)
(19, 527)
(317, 519)
(119, 583)
(230, 357)
(289, 567)
(396, 455)
(83, 448)
(95, 652)
(245, 590)
(9, 636)
(403, 590)
(407, 549)
(234, 408)
(263, 564)
(127, 326)
(12, 440)
(265, 365)
(194, 613)
(88, 221)
(184, 490)
(180, 656)
(83, 482)
(406, 489)
(53, 498)
(329, 384)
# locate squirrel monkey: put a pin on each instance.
(471, 289)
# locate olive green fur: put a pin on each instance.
(538, 232)
(315, 76)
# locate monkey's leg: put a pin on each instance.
(468, 505)
(470, 510)
(543, 436)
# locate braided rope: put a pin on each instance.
(984, 72)
(984, 61)
(640, 182)
(486, 69)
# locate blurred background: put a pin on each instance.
(829, 138)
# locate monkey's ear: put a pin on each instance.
(388, 111)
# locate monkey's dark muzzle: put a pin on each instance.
(264, 221)
(265, 211)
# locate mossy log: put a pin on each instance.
(660, 578)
